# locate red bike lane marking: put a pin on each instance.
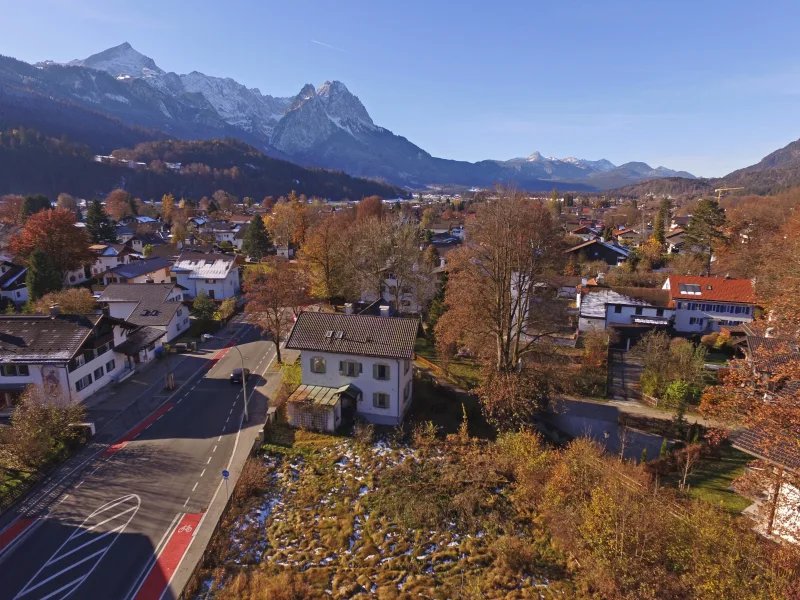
(161, 574)
(123, 441)
(12, 532)
(221, 353)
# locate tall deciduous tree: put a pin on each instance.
(71, 301)
(325, 253)
(167, 207)
(256, 243)
(492, 303)
(11, 208)
(54, 232)
(34, 204)
(120, 204)
(276, 293)
(223, 200)
(371, 206)
(69, 203)
(704, 228)
(99, 227)
(42, 276)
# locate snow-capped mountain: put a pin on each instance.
(326, 127)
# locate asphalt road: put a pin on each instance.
(135, 502)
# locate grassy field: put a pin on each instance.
(463, 371)
(712, 478)
(380, 519)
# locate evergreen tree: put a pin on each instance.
(554, 195)
(42, 275)
(658, 229)
(99, 226)
(203, 307)
(704, 230)
(256, 241)
(34, 204)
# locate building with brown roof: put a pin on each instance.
(704, 304)
(352, 364)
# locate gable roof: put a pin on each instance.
(617, 249)
(152, 307)
(361, 335)
(717, 289)
(769, 353)
(204, 266)
(42, 338)
(13, 278)
(761, 445)
(140, 267)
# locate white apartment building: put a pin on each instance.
(706, 303)
(217, 274)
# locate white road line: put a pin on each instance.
(124, 512)
(219, 439)
(79, 485)
(228, 419)
(80, 562)
(159, 418)
(214, 450)
(209, 460)
(187, 501)
(156, 554)
(92, 541)
(203, 473)
(149, 426)
(64, 498)
(195, 485)
(73, 583)
(95, 469)
(231, 411)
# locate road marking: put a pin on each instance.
(14, 531)
(156, 553)
(64, 498)
(214, 450)
(231, 411)
(195, 485)
(187, 501)
(79, 485)
(203, 473)
(228, 419)
(209, 460)
(114, 448)
(162, 572)
(219, 439)
(95, 469)
(85, 568)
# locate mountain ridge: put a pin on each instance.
(326, 127)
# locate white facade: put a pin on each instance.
(398, 387)
(696, 317)
(157, 276)
(627, 315)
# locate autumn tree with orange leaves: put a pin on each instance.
(54, 232)
(119, 204)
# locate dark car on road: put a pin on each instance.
(236, 375)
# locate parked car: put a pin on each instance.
(236, 375)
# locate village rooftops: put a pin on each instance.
(621, 251)
(717, 289)
(594, 299)
(204, 266)
(140, 267)
(152, 307)
(362, 335)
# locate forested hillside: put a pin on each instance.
(34, 163)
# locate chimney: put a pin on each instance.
(348, 308)
(55, 310)
(601, 278)
(584, 280)
(442, 261)
(385, 311)
(769, 332)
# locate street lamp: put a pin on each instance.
(208, 336)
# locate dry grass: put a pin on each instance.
(339, 519)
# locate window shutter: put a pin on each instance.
(341, 367)
(374, 371)
(375, 399)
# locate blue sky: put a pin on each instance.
(706, 86)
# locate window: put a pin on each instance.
(380, 372)
(638, 310)
(14, 370)
(83, 382)
(79, 361)
(380, 400)
(695, 320)
(180, 312)
(680, 305)
(618, 309)
(317, 365)
(110, 366)
(350, 368)
(406, 366)
(98, 373)
(738, 310)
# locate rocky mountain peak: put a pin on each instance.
(120, 61)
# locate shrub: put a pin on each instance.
(364, 433)
(650, 383)
(710, 340)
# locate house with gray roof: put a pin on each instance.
(155, 305)
(12, 283)
(216, 274)
(352, 365)
(75, 354)
(149, 270)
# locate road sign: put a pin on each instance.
(225, 474)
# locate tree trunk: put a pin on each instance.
(277, 342)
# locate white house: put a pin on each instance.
(109, 256)
(78, 354)
(352, 365)
(603, 307)
(217, 274)
(156, 305)
(706, 303)
(12, 282)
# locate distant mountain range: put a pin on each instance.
(119, 96)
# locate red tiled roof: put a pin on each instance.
(722, 289)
